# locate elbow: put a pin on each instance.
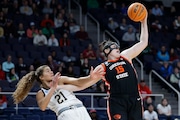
(42, 108)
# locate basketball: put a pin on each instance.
(137, 12)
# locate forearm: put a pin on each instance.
(144, 33)
(81, 82)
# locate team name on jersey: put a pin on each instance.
(116, 64)
(123, 75)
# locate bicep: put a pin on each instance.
(134, 51)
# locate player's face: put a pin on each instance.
(47, 76)
(115, 52)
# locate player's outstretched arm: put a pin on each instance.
(136, 49)
(84, 82)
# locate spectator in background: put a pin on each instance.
(52, 64)
(46, 20)
(3, 100)
(147, 102)
(82, 34)
(40, 39)
(35, 9)
(173, 11)
(21, 32)
(176, 23)
(21, 68)
(73, 28)
(157, 11)
(85, 67)
(71, 18)
(124, 25)
(25, 9)
(156, 26)
(100, 87)
(2, 73)
(162, 54)
(57, 8)
(31, 30)
(144, 89)
(54, 55)
(64, 40)
(31, 68)
(100, 54)
(69, 59)
(52, 41)
(12, 76)
(166, 70)
(172, 55)
(150, 113)
(93, 114)
(89, 52)
(5, 6)
(175, 44)
(58, 21)
(113, 25)
(70, 72)
(175, 78)
(2, 19)
(47, 30)
(9, 30)
(8, 64)
(164, 109)
(128, 37)
(178, 64)
(47, 9)
(109, 6)
(1, 32)
(123, 9)
(15, 8)
(64, 28)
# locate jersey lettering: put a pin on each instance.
(60, 97)
(123, 75)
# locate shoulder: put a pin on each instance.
(159, 106)
(40, 92)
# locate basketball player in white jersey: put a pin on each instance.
(57, 92)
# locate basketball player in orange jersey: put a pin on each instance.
(124, 102)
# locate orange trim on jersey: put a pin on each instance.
(103, 65)
(126, 59)
(141, 103)
(108, 110)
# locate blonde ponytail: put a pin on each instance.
(24, 86)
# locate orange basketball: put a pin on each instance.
(137, 12)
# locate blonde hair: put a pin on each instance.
(26, 83)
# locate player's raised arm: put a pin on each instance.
(136, 49)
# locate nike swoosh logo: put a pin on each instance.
(138, 99)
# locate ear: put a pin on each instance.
(41, 77)
(106, 51)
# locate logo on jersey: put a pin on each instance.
(117, 116)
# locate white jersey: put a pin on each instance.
(60, 99)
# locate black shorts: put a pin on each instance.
(125, 108)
